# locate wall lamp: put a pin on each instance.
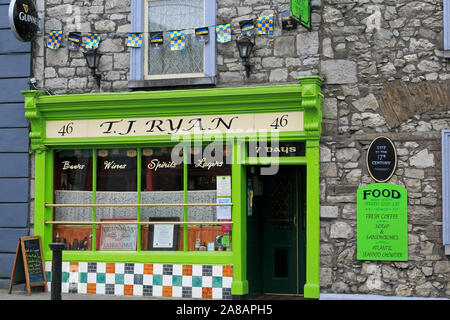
(93, 60)
(245, 46)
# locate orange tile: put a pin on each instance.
(91, 288)
(110, 268)
(148, 268)
(227, 271)
(73, 267)
(207, 293)
(128, 289)
(187, 270)
(167, 291)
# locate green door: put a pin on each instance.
(279, 210)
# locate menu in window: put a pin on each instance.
(163, 236)
(224, 212)
(224, 186)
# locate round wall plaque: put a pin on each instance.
(381, 159)
(24, 20)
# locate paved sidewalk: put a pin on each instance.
(18, 293)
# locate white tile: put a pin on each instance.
(177, 269)
(157, 291)
(65, 287)
(138, 268)
(226, 282)
(207, 281)
(82, 288)
(217, 293)
(91, 277)
(177, 292)
(82, 267)
(197, 270)
(167, 280)
(120, 268)
(110, 278)
(65, 267)
(48, 266)
(196, 292)
(73, 276)
(186, 281)
(217, 271)
(101, 267)
(138, 290)
(100, 288)
(148, 279)
(128, 278)
(118, 289)
(157, 268)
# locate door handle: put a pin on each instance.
(295, 220)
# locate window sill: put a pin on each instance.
(446, 53)
(175, 257)
(140, 84)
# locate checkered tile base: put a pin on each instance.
(139, 279)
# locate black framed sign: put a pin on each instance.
(163, 236)
(381, 159)
(24, 20)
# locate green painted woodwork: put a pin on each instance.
(307, 97)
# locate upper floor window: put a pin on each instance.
(447, 29)
(194, 63)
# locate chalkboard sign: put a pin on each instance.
(381, 159)
(28, 264)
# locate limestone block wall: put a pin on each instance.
(385, 74)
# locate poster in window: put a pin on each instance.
(224, 186)
(163, 236)
(118, 236)
(224, 212)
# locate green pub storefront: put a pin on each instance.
(206, 193)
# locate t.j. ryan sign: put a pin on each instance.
(211, 124)
(382, 228)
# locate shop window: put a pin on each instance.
(117, 185)
(209, 182)
(149, 184)
(73, 185)
(162, 183)
(194, 65)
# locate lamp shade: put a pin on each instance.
(92, 58)
(245, 46)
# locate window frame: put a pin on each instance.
(139, 77)
(139, 156)
(445, 134)
(446, 18)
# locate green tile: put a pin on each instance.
(217, 282)
(83, 277)
(157, 279)
(119, 278)
(196, 281)
(177, 281)
(101, 278)
(64, 276)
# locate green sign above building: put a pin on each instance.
(382, 222)
(301, 11)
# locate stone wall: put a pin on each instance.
(384, 72)
(385, 75)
